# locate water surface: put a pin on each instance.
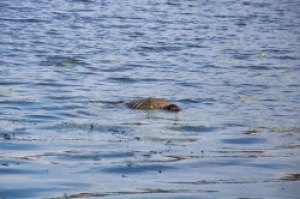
(232, 66)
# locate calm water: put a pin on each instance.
(233, 66)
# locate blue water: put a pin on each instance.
(232, 66)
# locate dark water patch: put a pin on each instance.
(12, 82)
(132, 168)
(115, 154)
(85, 2)
(189, 84)
(241, 22)
(158, 190)
(42, 117)
(117, 69)
(33, 192)
(266, 165)
(197, 101)
(19, 102)
(254, 68)
(9, 162)
(195, 45)
(60, 86)
(126, 80)
(257, 4)
(138, 65)
(287, 57)
(8, 146)
(241, 56)
(171, 140)
(112, 69)
(278, 51)
(13, 134)
(195, 129)
(6, 136)
(225, 16)
(135, 35)
(243, 141)
(25, 20)
(251, 131)
(134, 123)
(13, 171)
(159, 49)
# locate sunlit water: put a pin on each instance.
(232, 66)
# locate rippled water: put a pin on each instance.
(232, 66)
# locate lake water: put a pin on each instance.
(232, 66)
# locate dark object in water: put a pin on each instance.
(152, 103)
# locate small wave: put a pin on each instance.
(24, 20)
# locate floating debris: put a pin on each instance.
(261, 55)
